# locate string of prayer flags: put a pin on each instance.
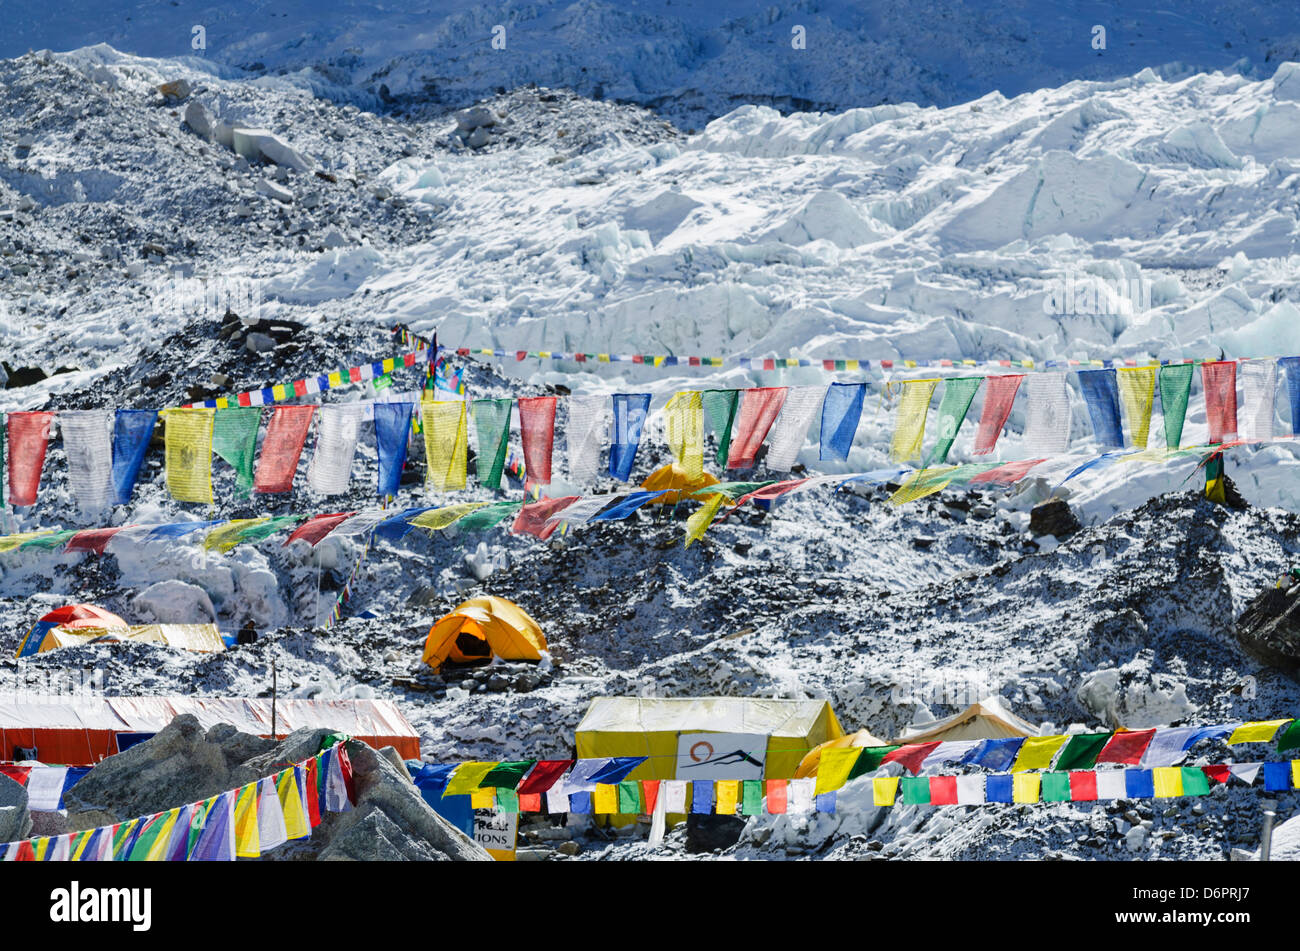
(1101, 395)
(1258, 399)
(958, 393)
(330, 470)
(790, 429)
(234, 439)
(1126, 746)
(999, 395)
(446, 516)
(1137, 388)
(684, 423)
(88, 446)
(1047, 425)
(841, 411)
(630, 412)
(188, 454)
(625, 505)
(537, 433)
(1175, 390)
(317, 527)
(758, 410)
(909, 430)
(446, 444)
(492, 430)
(1220, 381)
(29, 435)
(584, 435)
(285, 436)
(392, 429)
(721, 406)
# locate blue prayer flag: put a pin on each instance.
(132, 430)
(841, 410)
(630, 411)
(392, 426)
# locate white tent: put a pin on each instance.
(986, 720)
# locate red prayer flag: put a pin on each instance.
(650, 793)
(999, 394)
(1220, 380)
(759, 408)
(544, 774)
(531, 519)
(1218, 772)
(92, 540)
(18, 774)
(1083, 785)
(281, 448)
(345, 767)
(29, 434)
(310, 531)
(530, 802)
(25, 852)
(1008, 474)
(777, 796)
(771, 492)
(1126, 747)
(943, 790)
(911, 756)
(313, 793)
(537, 432)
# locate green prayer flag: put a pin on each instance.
(629, 797)
(751, 797)
(1195, 782)
(915, 790)
(234, 439)
(256, 533)
(482, 519)
(382, 382)
(506, 775)
(720, 406)
(1175, 387)
(492, 427)
(957, 396)
(1289, 738)
(869, 760)
(507, 800)
(732, 490)
(1081, 751)
(51, 541)
(1056, 787)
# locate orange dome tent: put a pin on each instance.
(481, 628)
(676, 479)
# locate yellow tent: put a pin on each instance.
(480, 628)
(675, 478)
(664, 730)
(986, 720)
(808, 765)
(192, 637)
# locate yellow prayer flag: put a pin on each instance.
(1024, 787)
(447, 515)
(1260, 731)
(483, 798)
(910, 364)
(466, 778)
(834, 767)
(79, 843)
(850, 364)
(188, 455)
(1168, 781)
(279, 392)
(884, 790)
(1037, 752)
(605, 799)
(39, 847)
(1137, 388)
(336, 378)
(248, 842)
(223, 403)
(445, 444)
(1295, 773)
(297, 824)
(909, 431)
(157, 851)
(225, 537)
(726, 794)
(684, 419)
(702, 518)
(921, 483)
(10, 542)
(602, 358)
(390, 364)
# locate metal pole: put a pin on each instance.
(273, 733)
(1266, 836)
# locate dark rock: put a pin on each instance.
(1269, 628)
(706, 832)
(1053, 517)
(497, 684)
(923, 541)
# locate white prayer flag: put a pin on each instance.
(45, 788)
(88, 443)
(581, 511)
(786, 438)
(361, 524)
(586, 430)
(557, 801)
(336, 443)
(1246, 772)
(1047, 426)
(1111, 784)
(1258, 396)
(673, 793)
(970, 790)
(270, 817)
(801, 795)
(947, 751)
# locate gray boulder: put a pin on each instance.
(1052, 517)
(467, 120)
(1269, 628)
(197, 118)
(15, 820)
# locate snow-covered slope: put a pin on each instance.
(695, 61)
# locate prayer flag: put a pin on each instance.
(330, 470)
(1137, 388)
(720, 407)
(392, 429)
(1047, 423)
(1175, 388)
(132, 430)
(585, 433)
(790, 429)
(841, 411)
(1101, 394)
(909, 430)
(234, 439)
(958, 393)
(1258, 399)
(88, 448)
(492, 429)
(285, 436)
(446, 442)
(188, 455)
(630, 410)
(684, 421)
(1220, 381)
(999, 395)
(537, 432)
(759, 407)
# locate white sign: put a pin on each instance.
(496, 831)
(721, 755)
